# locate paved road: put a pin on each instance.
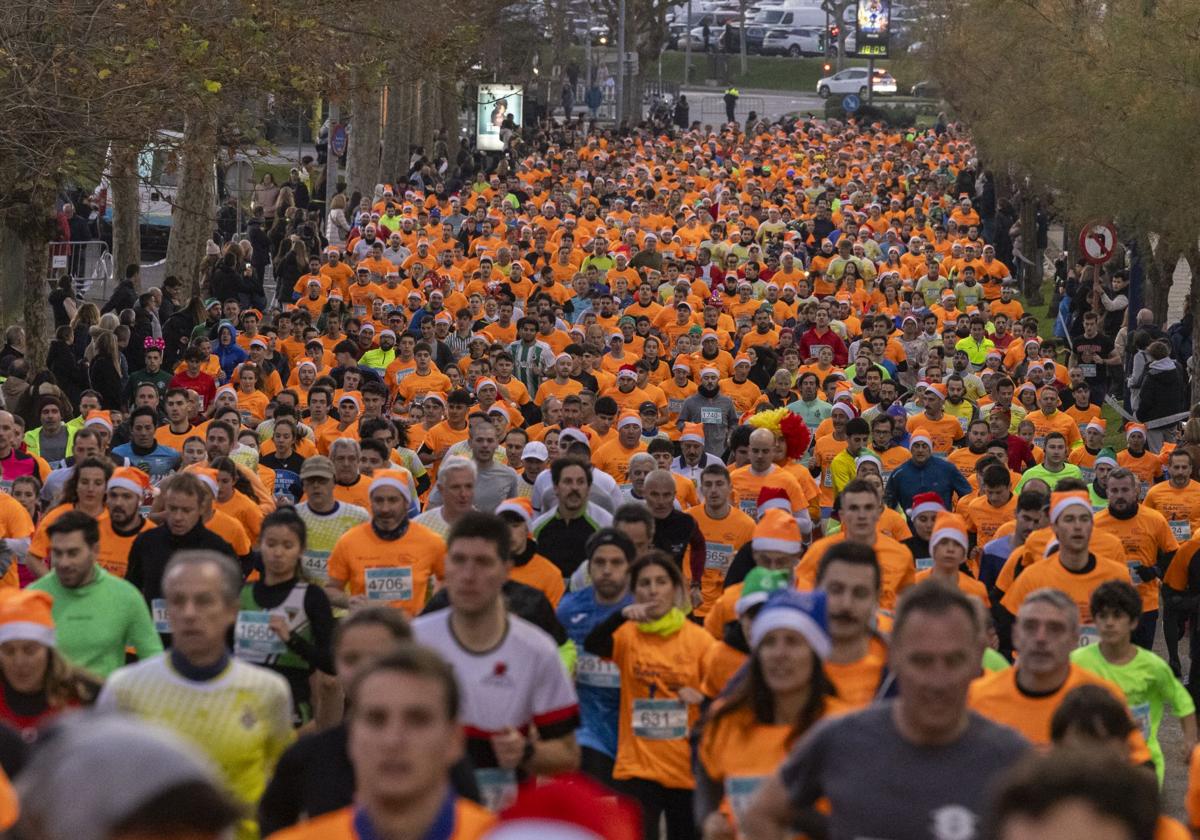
(708, 106)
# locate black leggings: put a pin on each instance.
(657, 801)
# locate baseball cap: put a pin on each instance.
(318, 466)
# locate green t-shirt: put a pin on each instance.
(94, 624)
(993, 660)
(1148, 684)
(1051, 478)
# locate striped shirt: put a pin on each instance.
(530, 361)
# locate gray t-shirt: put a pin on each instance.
(881, 786)
(493, 485)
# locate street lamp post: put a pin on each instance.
(620, 62)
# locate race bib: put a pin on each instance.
(596, 672)
(924, 563)
(660, 720)
(1088, 473)
(6, 487)
(1141, 716)
(316, 565)
(389, 584)
(711, 415)
(718, 556)
(253, 637)
(827, 478)
(1089, 371)
(749, 507)
(1088, 635)
(497, 787)
(1143, 490)
(158, 611)
(1039, 442)
(739, 790)
(674, 406)
(815, 349)
(1182, 529)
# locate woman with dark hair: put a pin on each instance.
(286, 623)
(782, 692)
(83, 490)
(766, 362)
(658, 653)
(63, 303)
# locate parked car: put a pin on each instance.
(855, 80)
(796, 41)
(927, 90)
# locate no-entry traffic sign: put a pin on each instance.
(1097, 241)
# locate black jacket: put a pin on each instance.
(107, 381)
(1164, 392)
(70, 373)
(225, 281)
(123, 297)
(151, 550)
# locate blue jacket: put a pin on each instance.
(229, 355)
(937, 475)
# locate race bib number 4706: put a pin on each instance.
(389, 584)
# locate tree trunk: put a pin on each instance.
(12, 275)
(39, 328)
(394, 162)
(193, 217)
(1191, 310)
(1159, 276)
(362, 160)
(1033, 276)
(126, 230)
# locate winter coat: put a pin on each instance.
(229, 355)
(1164, 391)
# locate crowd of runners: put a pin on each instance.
(715, 484)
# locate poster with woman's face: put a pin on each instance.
(497, 104)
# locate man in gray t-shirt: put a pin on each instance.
(916, 767)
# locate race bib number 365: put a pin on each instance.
(388, 584)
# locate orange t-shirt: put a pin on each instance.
(747, 486)
(542, 575)
(896, 566)
(652, 738)
(722, 540)
(943, 432)
(858, 682)
(996, 696)
(391, 572)
(113, 553)
(15, 524)
(1078, 585)
(471, 822)
(1180, 507)
(1143, 537)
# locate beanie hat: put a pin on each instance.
(777, 531)
(208, 477)
(571, 807)
(773, 498)
(25, 616)
(1105, 456)
(1062, 500)
(803, 612)
(99, 418)
(920, 435)
(926, 503)
(949, 526)
(758, 586)
(693, 432)
(521, 507)
(131, 479)
(391, 478)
